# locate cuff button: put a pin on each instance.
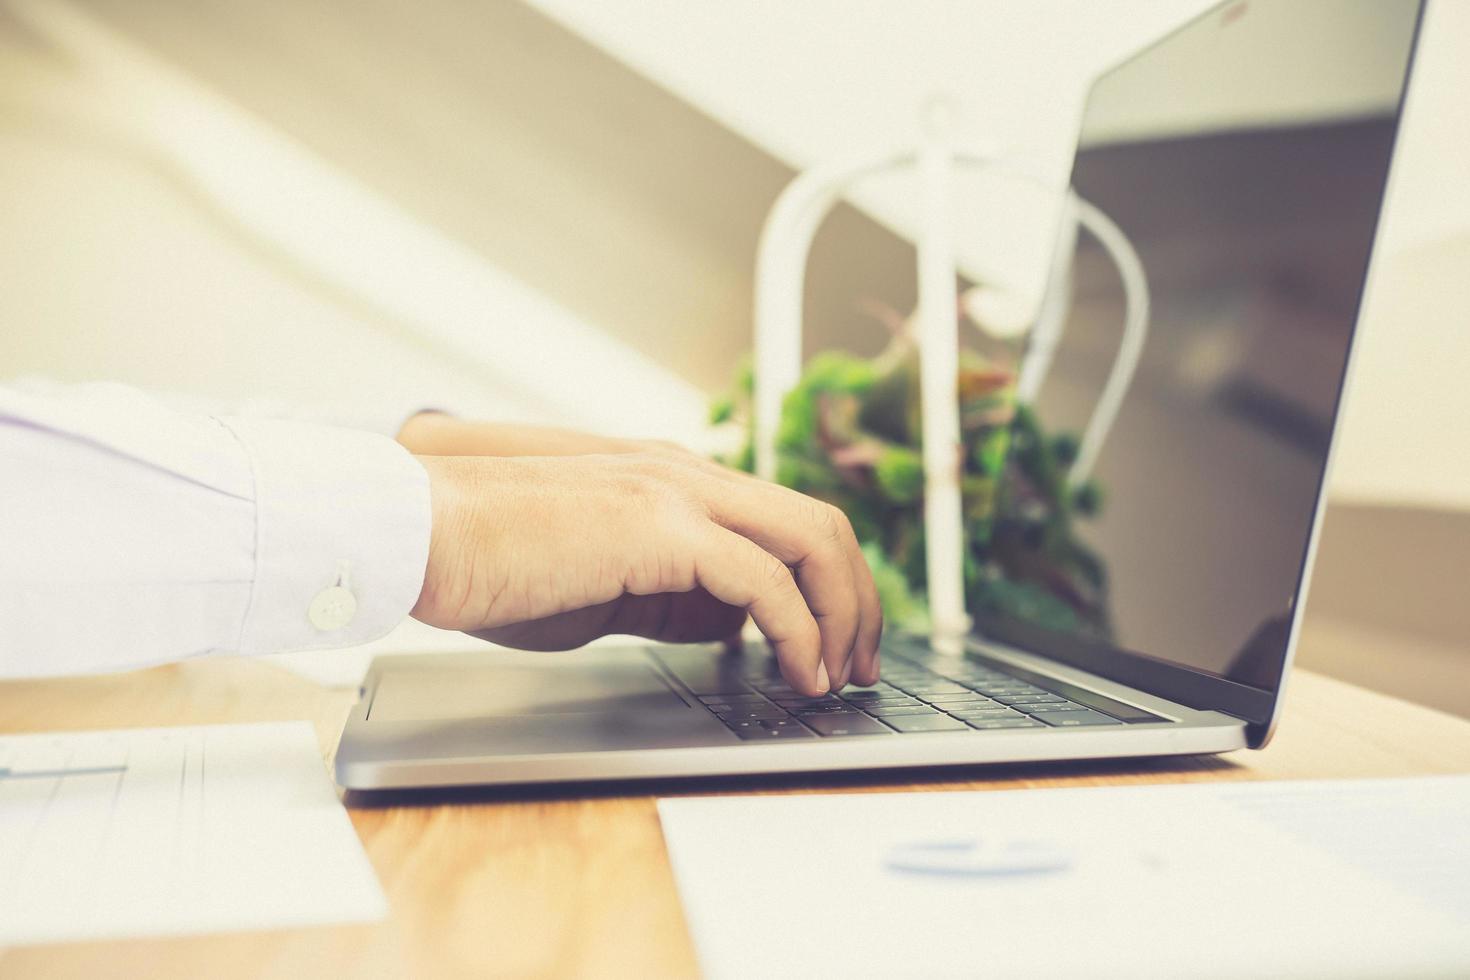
(332, 609)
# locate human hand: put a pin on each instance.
(550, 552)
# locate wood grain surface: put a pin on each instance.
(574, 881)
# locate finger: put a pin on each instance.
(865, 666)
(737, 571)
(815, 540)
(864, 662)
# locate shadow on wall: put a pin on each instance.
(548, 157)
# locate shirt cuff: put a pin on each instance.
(341, 535)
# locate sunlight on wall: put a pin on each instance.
(316, 225)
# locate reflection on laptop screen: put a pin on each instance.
(1245, 156)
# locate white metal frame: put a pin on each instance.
(780, 278)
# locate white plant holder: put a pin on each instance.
(780, 278)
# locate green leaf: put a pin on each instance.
(1022, 558)
(745, 460)
(1064, 448)
(901, 607)
(722, 411)
(991, 454)
(798, 428)
(745, 376)
(836, 372)
(1087, 499)
(900, 474)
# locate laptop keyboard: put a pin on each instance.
(755, 703)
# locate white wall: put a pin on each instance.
(816, 77)
(1406, 426)
(812, 78)
(155, 233)
(113, 273)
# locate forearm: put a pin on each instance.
(438, 434)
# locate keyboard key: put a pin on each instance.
(725, 709)
(986, 724)
(1041, 709)
(874, 693)
(1028, 698)
(783, 725)
(771, 734)
(994, 711)
(970, 696)
(740, 712)
(714, 699)
(845, 724)
(801, 702)
(883, 710)
(1076, 719)
(967, 676)
(714, 684)
(973, 719)
(925, 723)
(935, 687)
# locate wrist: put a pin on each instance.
(437, 434)
(447, 527)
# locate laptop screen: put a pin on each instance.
(1245, 157)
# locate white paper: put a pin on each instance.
(1330, 879)
(165, 831)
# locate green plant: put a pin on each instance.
(850, 435)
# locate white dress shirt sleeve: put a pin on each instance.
(384, 415)
(133, 534)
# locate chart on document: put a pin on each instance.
(174, 830)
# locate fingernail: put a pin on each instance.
(845, 676)
(823, 680)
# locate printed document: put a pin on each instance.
(166, 831)
(1282, 879)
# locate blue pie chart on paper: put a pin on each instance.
(979, 858)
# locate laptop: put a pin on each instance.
(1246, 156)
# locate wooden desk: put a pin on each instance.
(575, 882)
